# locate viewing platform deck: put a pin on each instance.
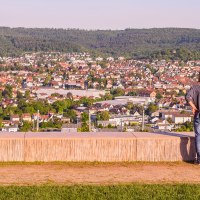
(101, 147)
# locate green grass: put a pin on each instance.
(89, 192)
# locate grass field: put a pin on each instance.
(114, 192)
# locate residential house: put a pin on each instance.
(181, 118)
(44, 118)
(26, 117)
(14, 118)
(14, 128)
(106, 123)
(6, 123)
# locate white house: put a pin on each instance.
(10, 129)
(126, 119)
(14, 118)
(106, 123)
(181, 118)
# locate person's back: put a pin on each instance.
(194, 95)
(193, 98)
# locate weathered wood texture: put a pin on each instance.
(102, 147)
(165, 149)
(74, 149)
(11, 147)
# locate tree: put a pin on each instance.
(84, 127)
(104, 116)
(84, 117)
(29, 109)
(1, 124)
(86, 101)
(133, 93)
(117, 92)
(159, 95)
(55, 95)
(47, 80)
(50, 124)
(151, 109)
(183, 112)
(22, 104)
(129, 105)
(70, 96)
(0, 95)
(59, 106)
(27, 126)
(27, 94)
(185, 127)
(100, 126)
(71, 114)
(84, 124)
(108, 97)
(7, 92)
(1, 110)
(152, 43)
(19, 95)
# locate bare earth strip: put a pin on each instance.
(63, 173)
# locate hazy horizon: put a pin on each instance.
(98, 29)
(100, 15)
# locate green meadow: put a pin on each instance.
(107, 192)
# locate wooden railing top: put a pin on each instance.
(29, 135)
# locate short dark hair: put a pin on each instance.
(199, 78)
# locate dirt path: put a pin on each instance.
(29, 174)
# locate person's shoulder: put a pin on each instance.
(196, 86)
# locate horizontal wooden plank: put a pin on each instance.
(102, 147)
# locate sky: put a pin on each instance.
(101, 14)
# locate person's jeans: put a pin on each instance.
(197, 133)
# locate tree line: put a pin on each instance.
(160, 43)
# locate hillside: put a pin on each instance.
(129, 42)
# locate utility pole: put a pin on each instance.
(143, 119)
(38, 120)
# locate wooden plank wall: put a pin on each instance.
(11, 150)
(105, 149)
(75, 149)
(165, 149)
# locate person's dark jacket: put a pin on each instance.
(193, 94)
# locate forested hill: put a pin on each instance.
(129, 42)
